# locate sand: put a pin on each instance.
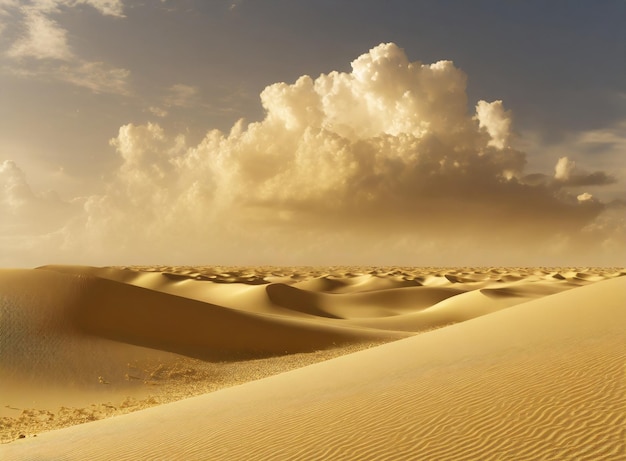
(312, 363)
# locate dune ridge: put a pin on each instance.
(123, 339)
(540, 380)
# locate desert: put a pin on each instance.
(312, 230)
(176, 362)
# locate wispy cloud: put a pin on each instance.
(5, 12)
(105, 7)
(98, 77)
(177, 95)
(180, 95)
(42, 49)
(44, 38)
(158, 111)
(234, 4)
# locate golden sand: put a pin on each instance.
(481, 363)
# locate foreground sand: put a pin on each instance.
(510, 364)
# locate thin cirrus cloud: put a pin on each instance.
(177, 95)
(383, 164)
(181, 95)
(44, 38)
(42, 49)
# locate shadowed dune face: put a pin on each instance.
(271, 310)
(226, 313)
(541, 379)
(106, 333)
(202, 329)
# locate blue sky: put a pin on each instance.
(75, 72)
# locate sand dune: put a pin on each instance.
(542, 380)
(523, 364)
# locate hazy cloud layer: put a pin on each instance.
(31, 223)
(384, 164)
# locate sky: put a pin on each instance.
(291, 132)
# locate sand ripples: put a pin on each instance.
(519, 368)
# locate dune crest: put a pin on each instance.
(519, 361)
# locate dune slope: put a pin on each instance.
(541, 380)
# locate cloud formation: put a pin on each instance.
(44, 38)
(383, 164)
(177, 95)
(29, 220)
(567, 173)
(42, 49)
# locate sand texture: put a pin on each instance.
(310, 363)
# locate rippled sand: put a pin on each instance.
(416, 363)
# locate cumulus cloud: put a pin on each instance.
(383, 164)
(388, 151)
(496, 121)
(564, 168)
(576, 154)
(567, 173)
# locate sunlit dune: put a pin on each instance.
(494, 363)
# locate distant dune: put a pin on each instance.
(312, 363)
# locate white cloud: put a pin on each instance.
(493, 118)
(388, 149)
(567, 173)
(564, 168)
(575, 154)
(96, 76)
(383, 163)
(105, 7)
(43, 50)
(44, 38)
